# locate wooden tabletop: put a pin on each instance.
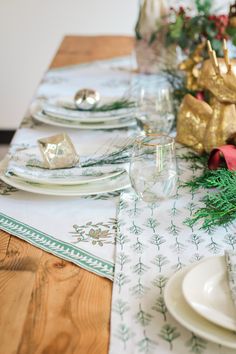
(48, 305)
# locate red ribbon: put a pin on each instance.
(225, 152)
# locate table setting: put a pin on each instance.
(129, 173)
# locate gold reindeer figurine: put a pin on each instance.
(204, 126)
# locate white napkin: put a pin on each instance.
(230, 258)
(28, 164)
(65, 108)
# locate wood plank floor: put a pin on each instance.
(50, 306)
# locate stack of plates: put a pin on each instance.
(199, 298)
(74, 181)
(62, 112)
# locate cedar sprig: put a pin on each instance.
(121, 155)
(220, 201)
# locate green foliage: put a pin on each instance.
(118, 104)
(220, 201)
(231, 31)
(120, 155)
(176, 28)
(203, 6)
(187, 32)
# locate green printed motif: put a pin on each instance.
(154, 242)
(98, 234)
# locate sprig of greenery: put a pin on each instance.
(203, 6)
(119, 104)
(220, 202)
(118, 156)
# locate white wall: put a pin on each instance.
(30, 32)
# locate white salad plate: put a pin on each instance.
(190, 319)
(40, 116)
(206, 290)
(99, 187)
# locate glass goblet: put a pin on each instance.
(153, 170)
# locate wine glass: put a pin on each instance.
(153, 170)
(155, 109)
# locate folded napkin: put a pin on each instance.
(230, 258)
(28, 164)
(65, 108)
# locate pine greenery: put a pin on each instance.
(220, 201)
(118, 104)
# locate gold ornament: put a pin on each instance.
(204, 126)
(58, 151)
(191, 67)
(232, 15)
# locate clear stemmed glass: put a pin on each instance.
(153, 170)
(155, 110)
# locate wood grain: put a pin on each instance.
(4, 242)
(17, 278)
(47, 305)
(65, 313)
(74, 50)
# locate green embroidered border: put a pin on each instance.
(59, 248)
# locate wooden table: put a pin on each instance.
(48, 305)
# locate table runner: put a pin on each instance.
(81, 230)
(152, 243)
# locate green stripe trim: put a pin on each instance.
(59, 248)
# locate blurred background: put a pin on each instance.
(31, 31)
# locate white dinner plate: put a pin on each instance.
(206, 290)
(67, 180)
(116, 124)
(100, 187)
(53, 108)
(190, 319)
